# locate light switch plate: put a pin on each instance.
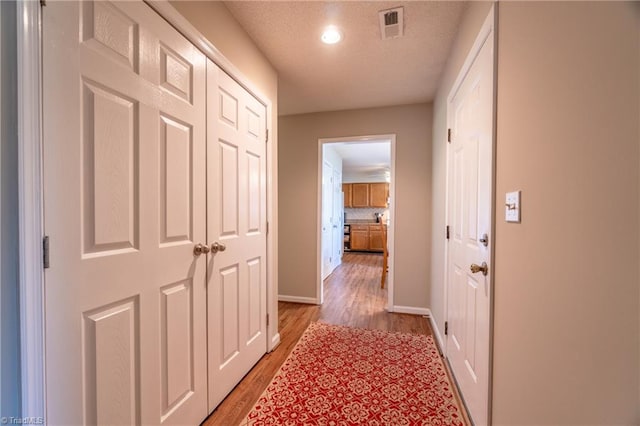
(512, 207)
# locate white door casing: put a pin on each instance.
(319, 206)
(469, 215)
(236, 209)
(124, 160)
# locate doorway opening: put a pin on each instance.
(369, 163)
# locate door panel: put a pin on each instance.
(228, 176)
(254, 271)
(255, 174)
(469, 209)
(111, 344)
(124, 157)
(176, 168)
(109, 145)
(230, 287)
(236, 176)
(176, 344)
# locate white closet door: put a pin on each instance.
(124, 167)
(236, 209)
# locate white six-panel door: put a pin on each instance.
(237, 223)
(469, 215)
(126, 175)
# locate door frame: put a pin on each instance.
(30, 208)
(30, 187)
(489, 25)
(392, 208)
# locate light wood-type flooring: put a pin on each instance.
(352, 296)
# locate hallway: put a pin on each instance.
(352, 297)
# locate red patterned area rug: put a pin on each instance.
(339, 375)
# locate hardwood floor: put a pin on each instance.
(352, 296)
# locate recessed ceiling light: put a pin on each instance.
(331, 35)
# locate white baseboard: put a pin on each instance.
(410, 310)
(297, 299)
(275, 341)
(436, 331)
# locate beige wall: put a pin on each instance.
(566, 293)
(215, 22)
(566, 331)
(298, 176)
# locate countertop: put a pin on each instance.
(362, 222)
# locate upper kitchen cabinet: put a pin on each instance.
(365, 194)
(378, 194)
(346, 190)
(359, 195)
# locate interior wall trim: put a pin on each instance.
(411, 310)
(436, 331)
(298, 299)
(391, 137)
(31, 274)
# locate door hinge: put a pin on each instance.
(449, 135)
(446, 328)
(267, 227)
(267, 320)
(45, 252)
(266, 138)
(43, 2)
(447, 232)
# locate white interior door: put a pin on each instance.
(236, 176)
(337, 225)
(124, 161)
(469, 215)
(327, 212)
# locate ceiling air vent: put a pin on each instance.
(391, 23)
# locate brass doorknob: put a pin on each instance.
(216, 247)
(480, 268)
(200, 249)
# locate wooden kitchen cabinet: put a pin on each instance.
(365, 194)
(378, 194)
(366, 237)
(346, 189)
(359, 195)
(359, 237)
(375, 238)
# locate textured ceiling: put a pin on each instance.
(361, 71)
(373, 157)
